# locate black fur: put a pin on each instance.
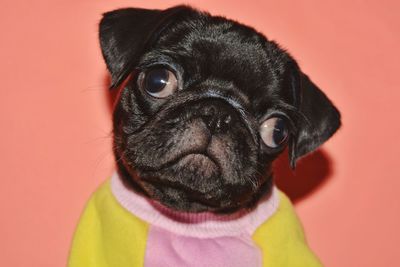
(175, 150)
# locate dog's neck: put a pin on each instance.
(203, 224)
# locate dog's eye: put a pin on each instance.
(274, 132)
(159, 83)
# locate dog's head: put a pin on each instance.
(207, 105)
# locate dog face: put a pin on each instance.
(207, 105)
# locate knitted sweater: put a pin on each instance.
(121, 228)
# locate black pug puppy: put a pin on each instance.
(205, 106)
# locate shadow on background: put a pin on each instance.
(311, 173)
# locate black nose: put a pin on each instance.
(217, 116)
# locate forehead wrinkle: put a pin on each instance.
(184, 36)
(209, 49)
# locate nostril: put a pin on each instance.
(209, 111)
(217, 116)
(228, 119)
(208, 120)
(209, 116)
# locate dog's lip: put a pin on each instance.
(177, 159)
(201, 154)
(176, 185)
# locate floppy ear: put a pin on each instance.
(320, 118)
(126, 33)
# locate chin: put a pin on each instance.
(196, 183)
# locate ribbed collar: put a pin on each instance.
(201, 225)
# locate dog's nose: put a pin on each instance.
(217, 117)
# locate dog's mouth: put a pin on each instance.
(189, 172)
(200, 161)
(195, 160)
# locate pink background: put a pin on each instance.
(55, 117)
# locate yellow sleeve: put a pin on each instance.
(282, 240)
(112, 237)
